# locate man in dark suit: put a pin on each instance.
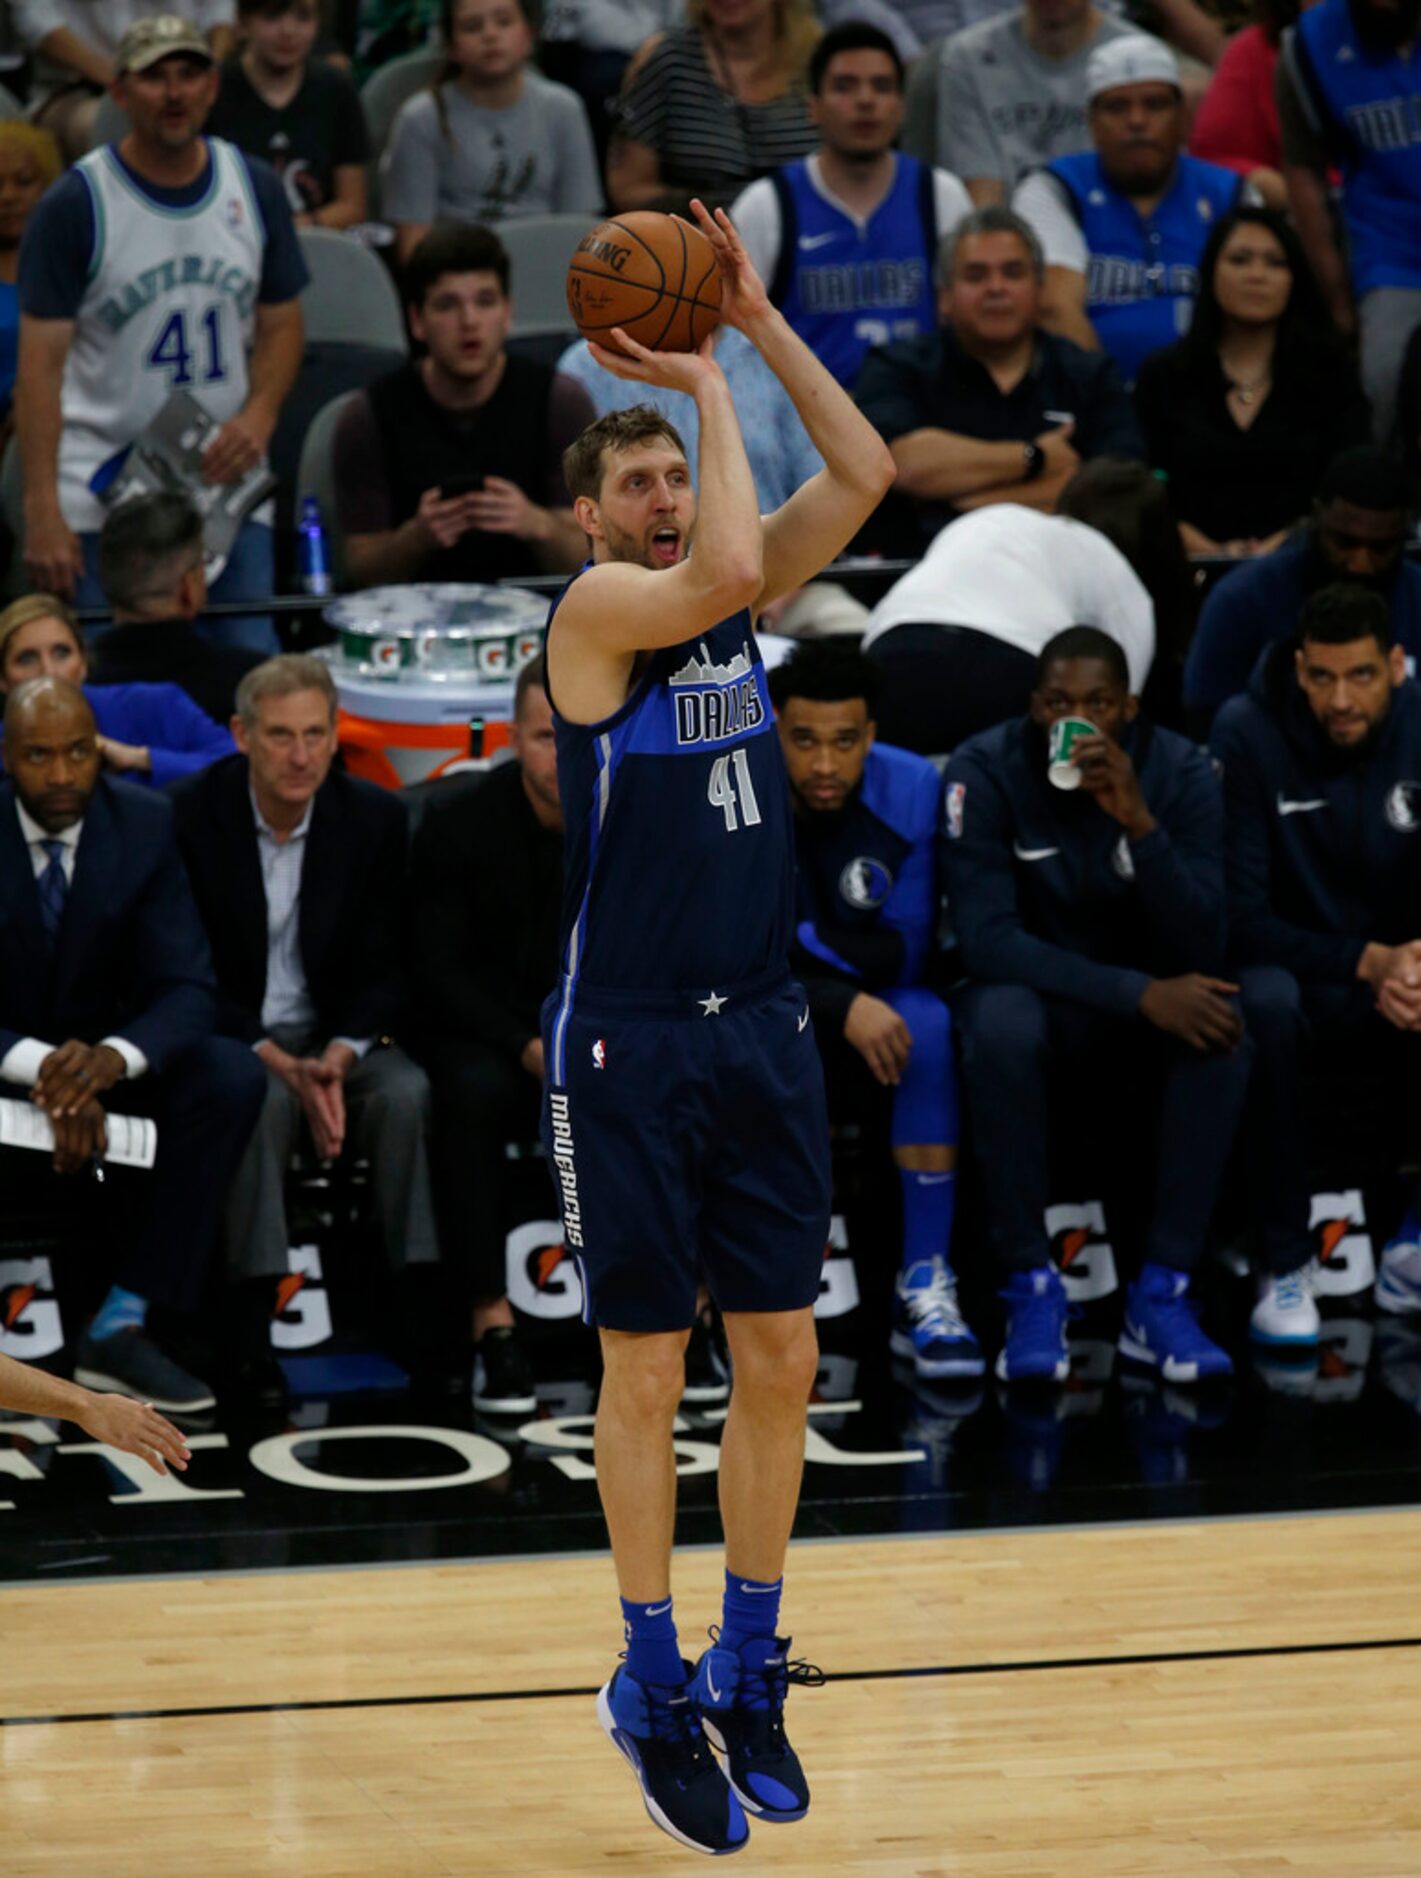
(299, 872)
(151, 569)
(488, 873)
(107, 1004)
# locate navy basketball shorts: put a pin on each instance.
(688, 1135)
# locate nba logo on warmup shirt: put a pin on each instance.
(599, 1054)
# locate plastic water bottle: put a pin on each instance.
(313, 568)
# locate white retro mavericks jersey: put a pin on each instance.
(170, 304)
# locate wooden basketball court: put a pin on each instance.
(1240, 1696)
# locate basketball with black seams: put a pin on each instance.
(653, 275)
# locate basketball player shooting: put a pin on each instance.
(684, 1113)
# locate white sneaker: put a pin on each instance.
(1285, 1312)
(1399, 1280)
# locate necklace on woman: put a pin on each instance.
(1246, 393)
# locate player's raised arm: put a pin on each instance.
(639, 514)
(823, 516)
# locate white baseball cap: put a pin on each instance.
(1137, 59)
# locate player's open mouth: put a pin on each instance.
(666, 546)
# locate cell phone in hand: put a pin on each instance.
(459, 486)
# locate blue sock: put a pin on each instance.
(751, 1609)
(929, 1202)
(120, 1310)
(653, 1654)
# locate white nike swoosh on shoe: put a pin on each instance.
(710, 1684)
(1032, 854)
(803, 1020)
(807, 242)
(1285, 807)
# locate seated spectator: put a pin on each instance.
(990, 408)
(1081, 911)
(151, 569)
(845, 239)
(147, 733)
(1349, 96)
(110, 324)
(867, 906)
(492, 138)
(958, 638)
(1012, 91)
(1321, 762)
(1123, 225)
(29, 163)
(1236, 123)
(1244, 413)
(387, 29)
(451, 467)
(301, 114)
(107, 1005)
(299, 872)
(75, 47)
(488, 867)
(776, 443)
(1361, 520)
(709, 106)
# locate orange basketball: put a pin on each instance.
(652, 275)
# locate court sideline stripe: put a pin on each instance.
(910, 1673)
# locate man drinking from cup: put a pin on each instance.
(1084, 869)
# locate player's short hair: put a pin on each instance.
(453, 248)
(33, 606)
(1339, 614)
(582, 465)
(37, 143)
(852, 36)
(146, 546)
(826, 671)
(530, 677)
(1368, 478)
(282, 677)
(993, 220)
(1084, 642)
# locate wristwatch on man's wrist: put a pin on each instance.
(1035, 462)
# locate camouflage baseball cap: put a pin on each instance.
(161, 37)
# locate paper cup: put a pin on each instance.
(1066, 733)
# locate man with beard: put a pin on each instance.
(1123, 225)
(450, 468)
(845, 239)
(1090, 917)
(1322, 786)
(1349, 95)
(1360, 523)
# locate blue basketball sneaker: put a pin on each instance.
(1036, 1349)
(682, 1786)
(1162, 1328)
(740, 1697)
(928, 1326)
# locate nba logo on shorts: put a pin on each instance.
(956, 796)
(599, 1054)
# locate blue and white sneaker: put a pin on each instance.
(1285, 1314)
(682, 1786)
(1035, 1349)
(1399, 1280)
(1162, 1328)
(928, 1326)
(740, 1698)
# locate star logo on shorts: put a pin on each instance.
(711, 1005)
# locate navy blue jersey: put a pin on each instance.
(867, 901)
(680, 849)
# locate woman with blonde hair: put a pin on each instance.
(708, 107)
(29, 163)
(147, 733)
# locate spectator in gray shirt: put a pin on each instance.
(1012, 92)
(491, 139)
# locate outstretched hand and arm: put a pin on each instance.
(135, 1427)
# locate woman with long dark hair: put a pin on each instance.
(1244, 412)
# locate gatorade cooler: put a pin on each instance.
(418, 668)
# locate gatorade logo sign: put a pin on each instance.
(543, 1279)
(303, 1305)
(839, 1285)
(1346, 1262)
(1083, 1254)
(30, 1325)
